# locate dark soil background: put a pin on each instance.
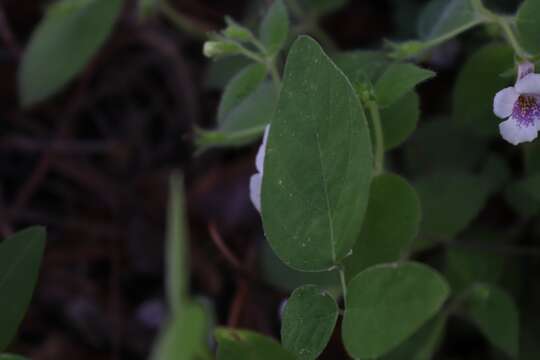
(92, 164)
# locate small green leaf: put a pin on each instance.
(463, 196)
(62, 45)
(240, 87)
(177, 269)
(477, 84)
(20, 259)
(322, 7)
(361, 66)
(185, 337)
(308, 322)
(398, 80)
(496, 315)
(386, 304)
(423, 344)
(220, 71)
(246, 345)
(274, 28)
(399, 120)
(447, 18)
(318, 163)
(391, 201)
(527, 25)
(245, 123)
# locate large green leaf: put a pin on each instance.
(308, 322)
(398, 80)
(391, 201)
(185, 337)
(247, 345)
(63, 44)
(477, 84)
(386, 304)
(239, 88)
(399, 120)
(20, 259)
(527, 25)
(274, 28)
(318, 163)
(496, 315)
(447, 18)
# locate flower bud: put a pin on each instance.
(219, 48)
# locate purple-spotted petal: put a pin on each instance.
(504, 101)
(515, 133)
(530, 84)
(255, 190)
(259, 160)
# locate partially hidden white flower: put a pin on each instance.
(256, 180)
(520, 105)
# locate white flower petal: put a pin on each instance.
(530, 84)
(504, 101)
(259, 160)
(524, 69)
(537, 124)
(515, 134)
(255, 190)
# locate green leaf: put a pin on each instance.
(185, 337)
(239, 88)
(274, 28)
(284, 278)
(477, 84)
(318, 163)
(423, 344)
(527, 25)
(391, 201)
(398, 80)
(386, 304)
(147, 8)
(62, 45)
(11, 357)
(465, 266)
(246, 345)
(308, 322)
(177, 269)
(447, 18)
(399, 120)
(440, 144)
(245, 123)
(322, 7)
(463, 196)
(361, 66)
(20, 259)
(496, 315)
(220, 71)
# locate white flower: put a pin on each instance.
(256, 180)
(521, 105)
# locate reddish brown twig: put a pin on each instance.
(220, 244)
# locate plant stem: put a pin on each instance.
(274, 73)
(378, 162)
(510, 36)
(181, 21)
(343, 285)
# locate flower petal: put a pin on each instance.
(255, 191)
(504, 101)
(514, 133)
(524, 69)
(530, 84)
(259, 160)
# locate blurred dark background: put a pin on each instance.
(92, 164)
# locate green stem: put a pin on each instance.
(274, 73)
(375, 116)
(510, 36)
(343, 285)
(181, 21)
